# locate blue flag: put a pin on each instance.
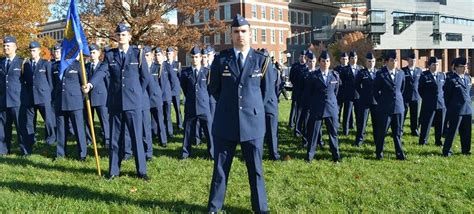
(74, 39)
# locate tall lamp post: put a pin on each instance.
(288, 57)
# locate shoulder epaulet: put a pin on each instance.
(262, 53)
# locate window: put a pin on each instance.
(272, 36)
(207, 40)
(206, 15)
(293, 17)
(280, 14)
(227, 14)
(272, 13)
(272, 53)
(303, 38)
(196, 17)
(280, 57)
(377, 16)
(264, 12)
(306, 19)
(227, 36)
(254, 11)
(264, 36)
(290, 37)
(454, 37)
(296, 35)
(217, 39)
(280, 37)
(217, 14)
(300, 18)
(376, 39)
(254, 36)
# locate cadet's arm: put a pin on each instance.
(215, 82)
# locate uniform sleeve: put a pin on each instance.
(421, 86)
(377, 86)
(448, 90)
(145, 75)
(182, 82)
(358, 82)
(215, 79)
(49, 75)
(267, 86)
(101, 72)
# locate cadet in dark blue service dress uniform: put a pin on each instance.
(69, 105)
(98, 97)
(128, 76)
(343, 61)
(323, 88)
(11, 89)
(458, 107)
(39, 83)
(240, 87)
(295, 70)
(388, 89)
(196, 107)
(166, 88)
(156, 99)
(433, 109)
(350, 94)
(173, 69)
(364, 84)
(411, 97)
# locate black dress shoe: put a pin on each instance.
(415, 133)
(82, 159)
(127, 157)
(164, 145)
(144, 177)
(149, 158)
(402, 157)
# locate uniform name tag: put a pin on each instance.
(429, 81)
(457, 86)
(134, 63)
(334, 82)
(204, 79)
(112, 64)
(154, 74)
(41, 70)
(365, 78)
(175, 69)
(226, 74)
(55, 72)
(73, 72)
(16, 69)
(257, 75)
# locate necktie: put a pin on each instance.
(34, 65)
(122, 56)
(241, 61)
(92, 68)
(392, 75)
(325, 77)
(196, 73)
(8, 64)
(435, 76)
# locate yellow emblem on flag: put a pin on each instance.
(69, 30)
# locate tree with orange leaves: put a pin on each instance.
(21, 20)
(148, 21)
(353, 41)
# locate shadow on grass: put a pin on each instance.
(27, 162)
(85, 194)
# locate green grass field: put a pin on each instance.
(425, 183)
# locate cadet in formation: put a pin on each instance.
(388, 89)
(194, 81)
(343, 62)
(433, 109)
(323, 88)
(411, 97)
(156, 99)
(11, 91)
(237, 74)
(128, 73)
(173, 69)
(458, 107)
(364, 84)
(98, 97)
(350, 94)
(37, 76)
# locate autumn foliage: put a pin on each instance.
(148, 21)
(353, 41)
(22, 20)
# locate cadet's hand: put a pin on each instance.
(86, 88)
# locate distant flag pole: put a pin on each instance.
(75, 44)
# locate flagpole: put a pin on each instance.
(89, 114)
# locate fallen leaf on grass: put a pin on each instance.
(133, 189)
